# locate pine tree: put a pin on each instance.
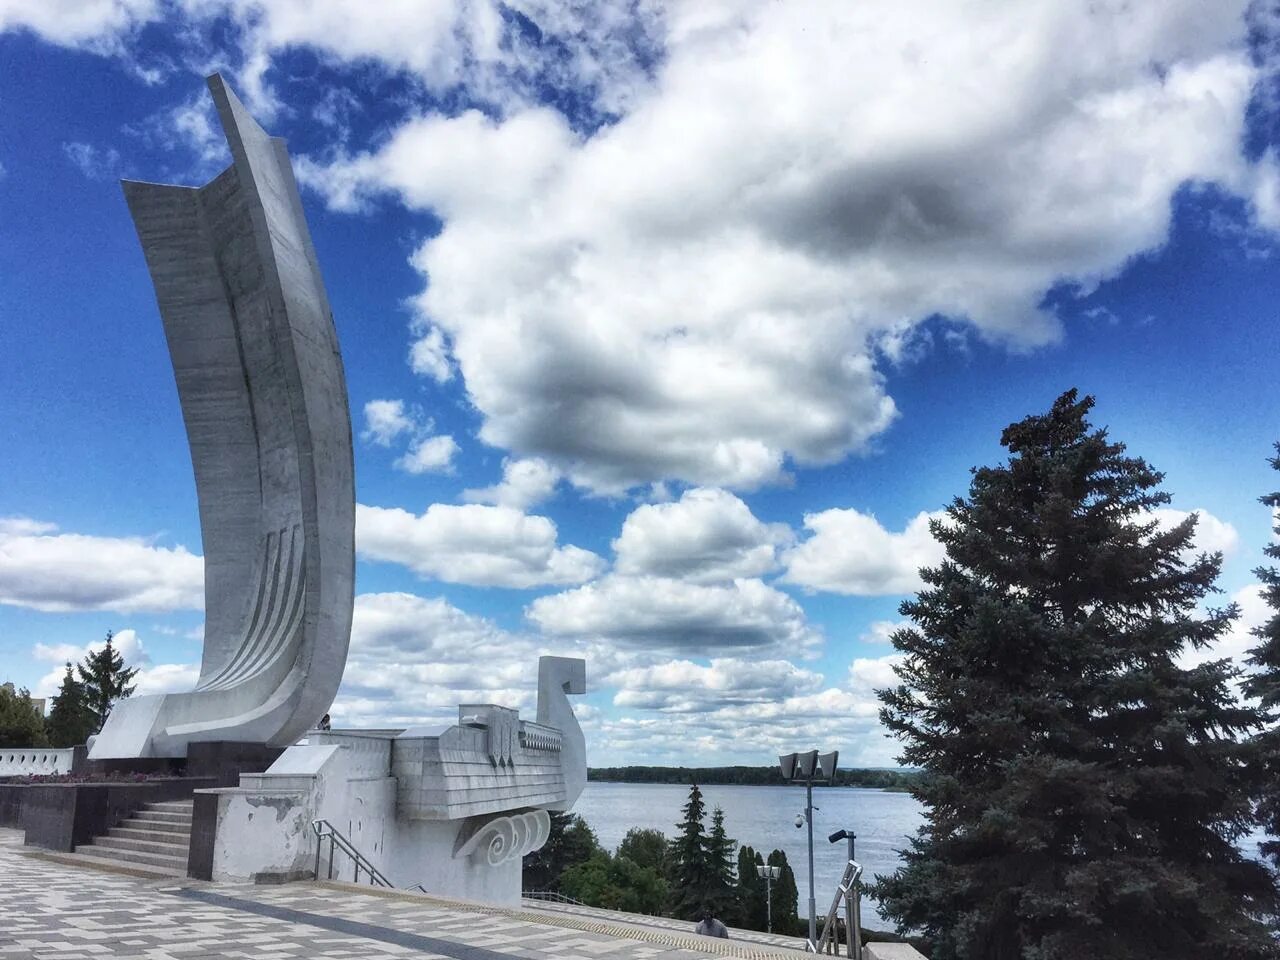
(106, 680)
(691, 878)
(70, 721)
(1264, 685)
(721, 895)
(752, 909)
(1082, 792)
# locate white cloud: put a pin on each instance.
(682, 686)
(524, 483)
(94, 162)
(429, 455)
(850, 552)
(71, 23)
(59, 572)
(1212, 535)
(150, 678)
(869, 674)
(707, 536)
(429, 355)
(385, 420)
(882, 631)
(1239, 640)
(659, 614)
(649, 300)
(473, 544)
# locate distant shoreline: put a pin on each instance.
(897, 779)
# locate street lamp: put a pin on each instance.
(806, 768)
(768, 875)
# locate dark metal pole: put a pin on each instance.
(768, 897)
(813, 904)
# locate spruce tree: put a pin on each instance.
(721, 895)
(752, 908)
(106, 680)
(1264, 685)
(70, 721)
(691, 878)
(1082, 792)
(786, 898)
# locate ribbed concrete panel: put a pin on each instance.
(264, 399)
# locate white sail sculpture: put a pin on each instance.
(264, 399)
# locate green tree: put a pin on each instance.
(752, 908)
(786, 898)
(70, 722)
(1264, 684)
(570, 842)
(691, 877)
(105, 679)
(1083, 792)
(615, 883)
(21, 724)
(722, 897)
(645, 848)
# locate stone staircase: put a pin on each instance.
(157, 839)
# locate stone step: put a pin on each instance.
(127, 831)
(168, 826)
(168, 847)
(177, 864)
(171, 806)
(168, 815)
(111, 864)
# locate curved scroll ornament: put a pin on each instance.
(264, 399)
(506, 838)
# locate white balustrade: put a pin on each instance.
(34, 761)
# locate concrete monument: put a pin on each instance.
(264, 399)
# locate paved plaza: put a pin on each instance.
(52, 909)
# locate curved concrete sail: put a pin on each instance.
(264, 399)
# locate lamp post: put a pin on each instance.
(768, 874)
(806, 768)
(852, 899)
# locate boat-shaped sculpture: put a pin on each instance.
(264, 400)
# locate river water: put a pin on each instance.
(764, 818)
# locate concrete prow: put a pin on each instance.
(558, 678)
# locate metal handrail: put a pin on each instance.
(323, 830)
(552, 896)
(850, 891)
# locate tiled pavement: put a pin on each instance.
(53, 910)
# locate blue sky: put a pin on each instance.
(730, 294)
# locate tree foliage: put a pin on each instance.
(71, 721)
(692, 880)
(570, 843)
(752, 906)
(106, 680)
(21, 724)
(1083, 793)
(786, 898)
(722, 895)
(1264, 684)
(616, 883)
(645, 848)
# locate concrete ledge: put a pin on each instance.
(890, 951)
(59, 816)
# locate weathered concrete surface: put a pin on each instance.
(890, 951)
(264, 399)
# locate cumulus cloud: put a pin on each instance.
(682, 686)
(882, 631)
(150, 678)
(386, 420)
(850, 552)
(70, 23)
(1212, 535)
(44, 569)
(473, 544)
(655, 613)
(1239, 640)
(707, 536)
(429, 455)
(96, 163)
(524, 483)
(648, 300)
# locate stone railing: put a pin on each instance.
(35, 761)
